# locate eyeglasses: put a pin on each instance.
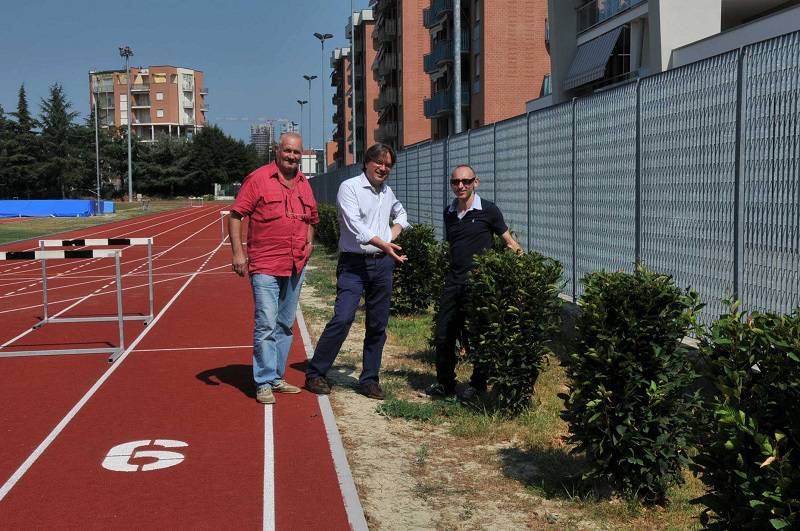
(295, 215)
(465, 182)
(387, 165)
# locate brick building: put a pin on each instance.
(165, 100)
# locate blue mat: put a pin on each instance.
(48, 208)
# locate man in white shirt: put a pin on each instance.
(370, 218)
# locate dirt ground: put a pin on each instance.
(415, 475)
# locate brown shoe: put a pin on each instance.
(318, 385)
(372, 390)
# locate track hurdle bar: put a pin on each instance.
(97, 253)
(222, 214)
(97, 242)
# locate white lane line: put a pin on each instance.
(268, 515)
(352, 504)
(179, 349)
(25, 466)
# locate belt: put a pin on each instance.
(379, 254)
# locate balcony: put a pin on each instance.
(204, 91)
(188, 104)
(140, 104)
(431, 16)
(387, 31)
(104, 86)
(140, 87)
(388, 64)
(441, 103)
(596, 11)
(387, 96)
(442, 53)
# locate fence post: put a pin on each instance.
(638, 186)
(738, 192)
(574, 212)
(528, 176)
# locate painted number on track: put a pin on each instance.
(119, 457)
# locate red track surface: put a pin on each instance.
(188, 378)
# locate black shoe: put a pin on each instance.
(438, 390)
(318, 385)
(470, 392)
(372, 390)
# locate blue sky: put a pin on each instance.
(253, 53)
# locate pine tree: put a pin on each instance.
(22, 152)
(61, 164)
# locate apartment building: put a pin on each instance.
(339, 153)
(503, 56)
(262, 137)
(164, 100)
(400, 41)
(599, 43)
(366, 87)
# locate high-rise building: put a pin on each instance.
(165, 100)
(400, 41)
(598, 43)
(262, 136)
(366, 86)
(342, 117)
(504, 61)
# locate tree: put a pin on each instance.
(215, 157)
(161, 168)
(21, 148)
(61, 165)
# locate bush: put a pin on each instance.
(513, 310)
(749, 449)
(327, 231)
(415, 283)
(628, 407)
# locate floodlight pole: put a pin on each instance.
(309, 78)
(303, 102)
(322, 37)
(126, 52)
(96, 137)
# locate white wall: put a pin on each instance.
(675, 23)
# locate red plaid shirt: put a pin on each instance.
(279, 220)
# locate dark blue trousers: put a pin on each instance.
(357, 275)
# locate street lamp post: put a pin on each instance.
(309, 78)
(303, 102)
(353, 113)
(126, 52)
(96, 138)
(322, 38)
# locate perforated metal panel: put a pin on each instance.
(426, 210)
(605, 182)
(771, 175)
(481, 158)
(438, 171)
(550, 186)
(412, 184)
(511, 175)
(688, 129)
(457, 151)
(397, 179)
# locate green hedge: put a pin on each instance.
(749, 445)
(327, 231)
(628, 405)
(512, 310)
(417, 283)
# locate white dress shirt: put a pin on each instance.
(365, 213)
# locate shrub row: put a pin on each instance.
(416, 284)
(327, 231)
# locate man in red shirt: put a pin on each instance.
(280, 204)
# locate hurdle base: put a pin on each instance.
(146, 318)
(115, 352)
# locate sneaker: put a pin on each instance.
(264, 395)
(284, 387)
(372, 390)
(318, 385)
(469, 393)
(438, 390)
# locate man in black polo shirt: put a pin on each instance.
(470, 225)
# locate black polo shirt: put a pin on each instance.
(470, 235)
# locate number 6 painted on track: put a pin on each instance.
(118, 458)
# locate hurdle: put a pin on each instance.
(222, 214)
(193, 201)
(97, 242)
(97, 253)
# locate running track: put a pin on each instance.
(182, 392)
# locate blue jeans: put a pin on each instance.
(357, 275)
(275, 300)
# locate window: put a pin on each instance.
(159, 113)
(122, 79)
(159, 78)
(160, 96)
(173, 78)
(477, 68)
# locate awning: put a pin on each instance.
(591, 59)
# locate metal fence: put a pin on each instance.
(695, 172)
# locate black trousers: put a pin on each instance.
(449, 329)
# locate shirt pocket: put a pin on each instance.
(272, 206)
